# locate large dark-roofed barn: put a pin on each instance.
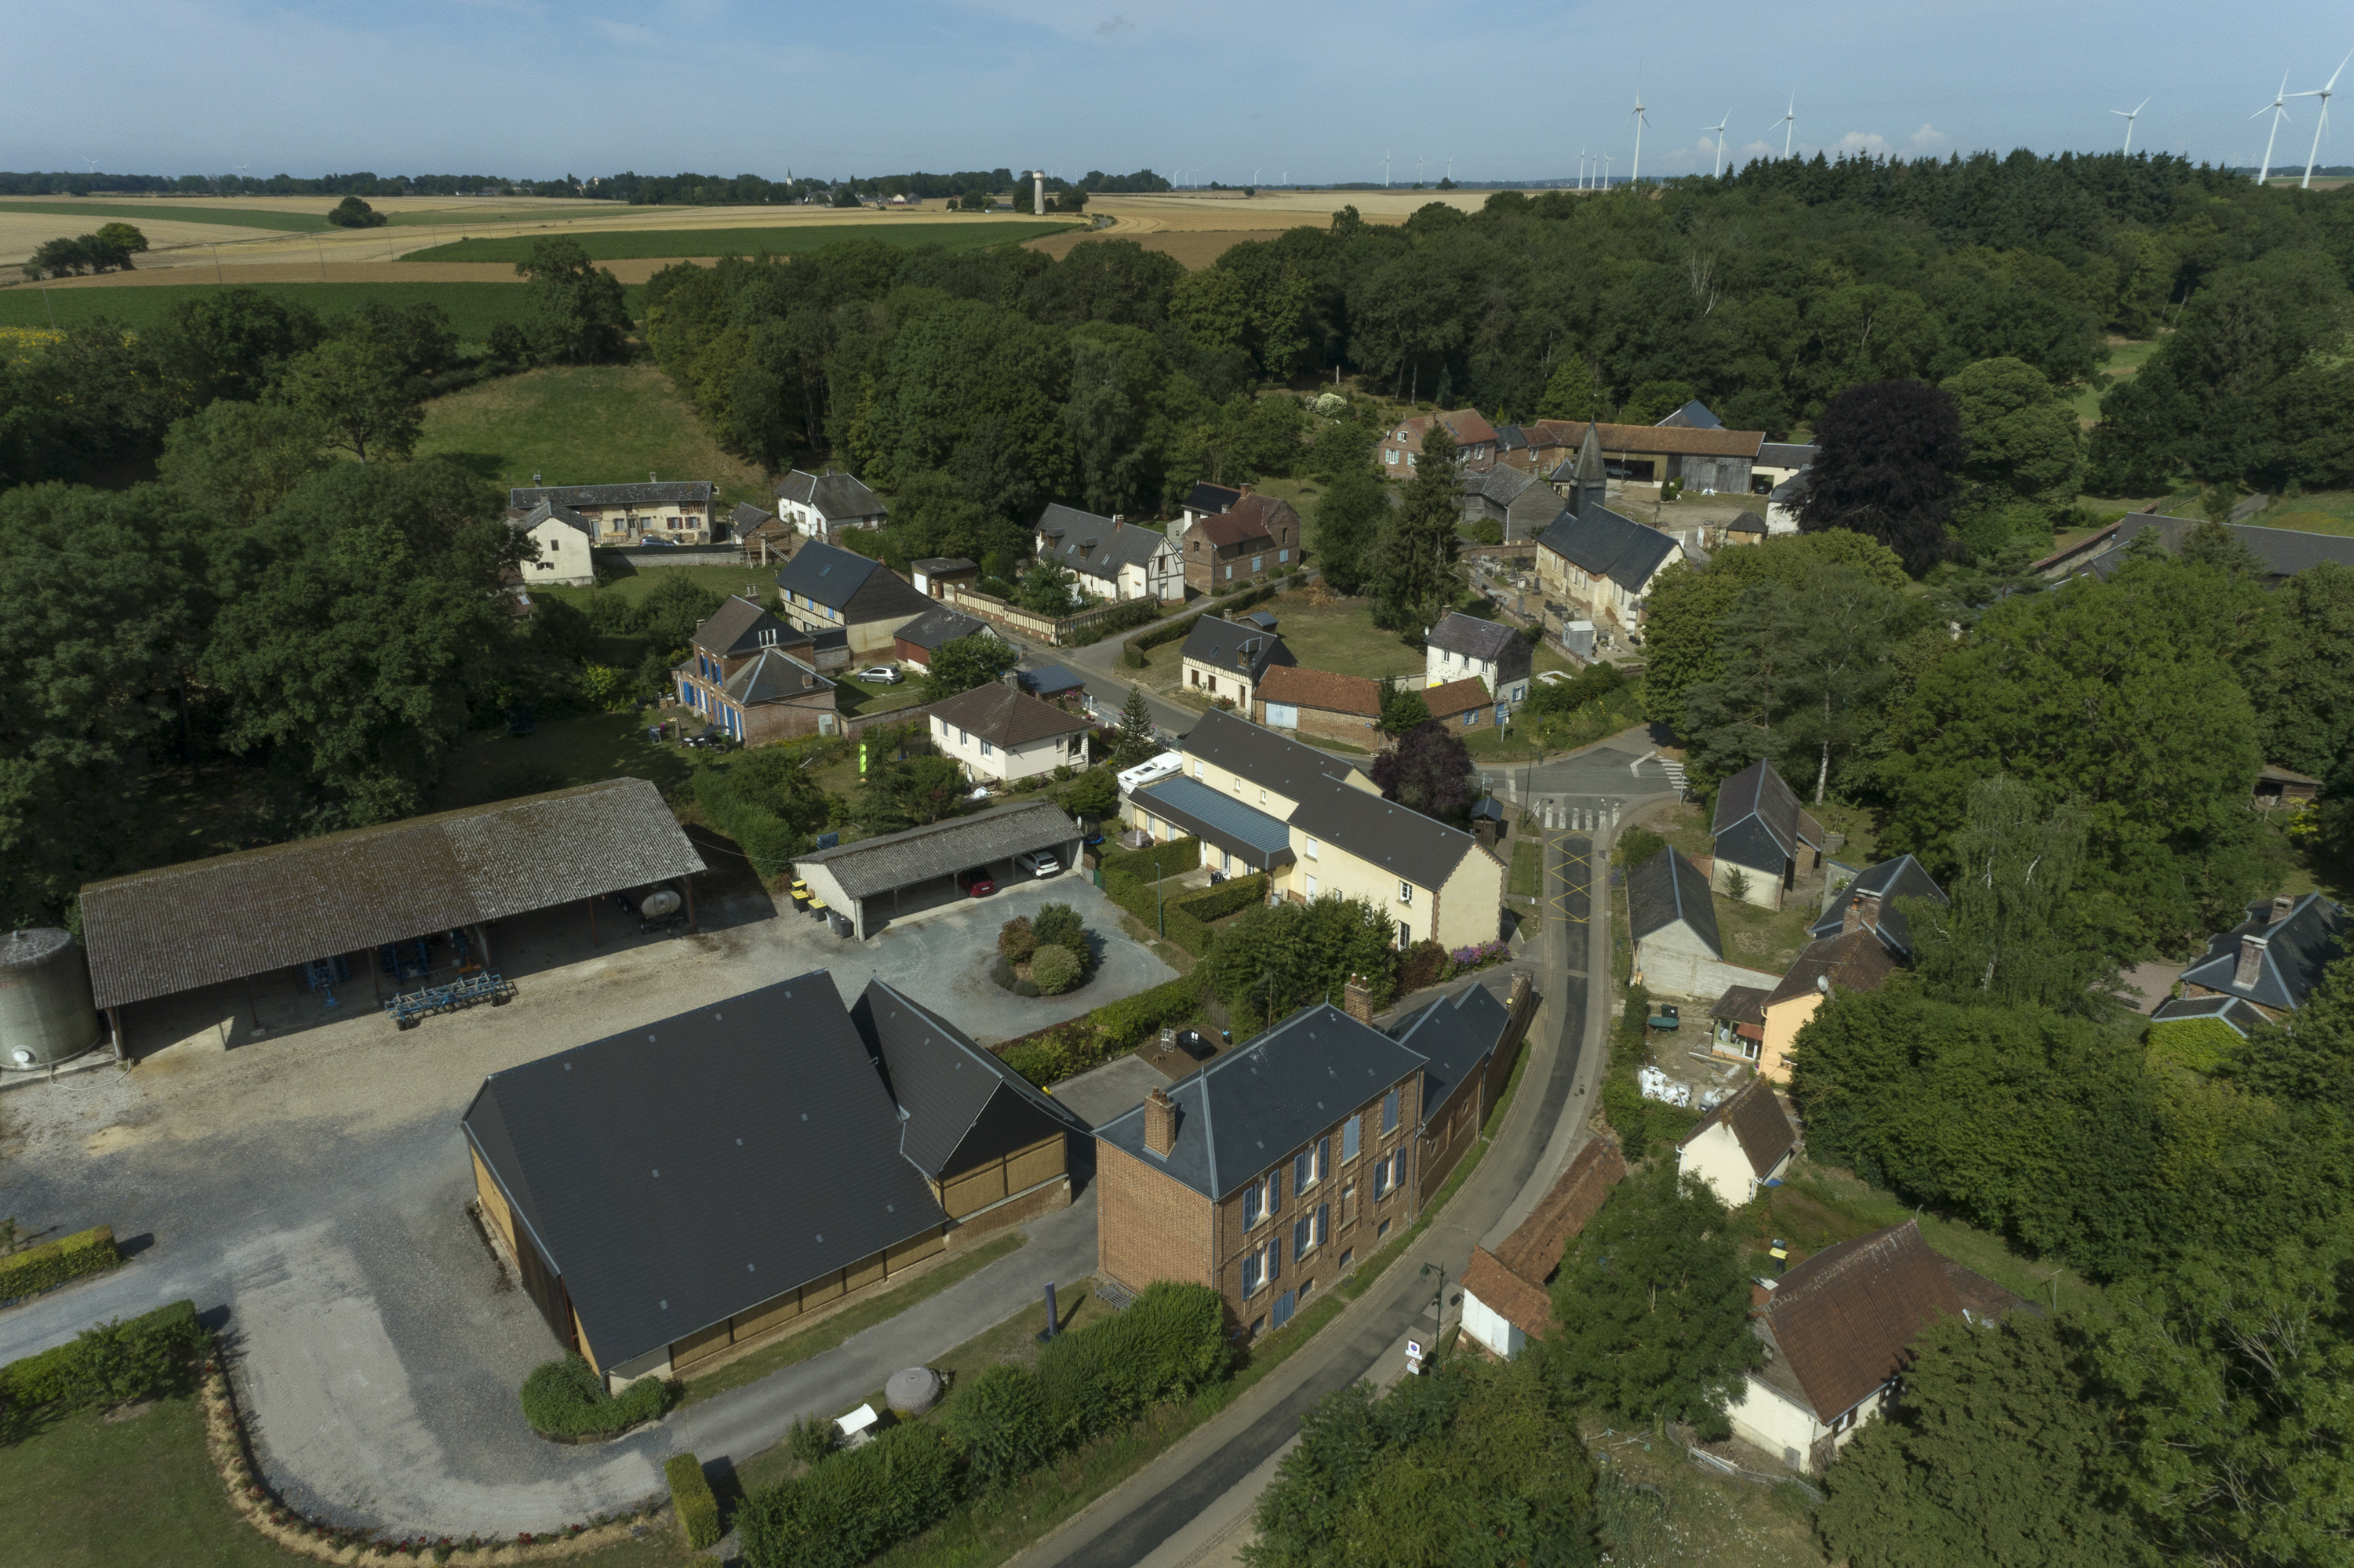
(875, 880)
(154, 933)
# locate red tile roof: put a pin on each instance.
(1524, 1306)
(1457, 697)
(1535, 1249)
(1321, 690)
(1647, 439)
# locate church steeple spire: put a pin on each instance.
(1591, 480)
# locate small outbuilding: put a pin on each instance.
(1743, 1144)
(869, 884)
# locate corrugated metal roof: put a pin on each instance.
(942, 849)
(179, 927)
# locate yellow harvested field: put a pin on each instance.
(22, 233)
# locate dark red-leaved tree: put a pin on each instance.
(1430, 770)
(1889, 454)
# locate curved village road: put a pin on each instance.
(1543, 1128)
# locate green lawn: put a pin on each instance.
(473, 307)
(2322, 511)
(131, 212)
(2125, 359)
(629, 244)
(560, 753)
(1340, 637)
(1528, 868)
(866, 699)
(794, 1349)
(588, 424)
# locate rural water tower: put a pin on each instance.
(1038, 193)
(46, 1015)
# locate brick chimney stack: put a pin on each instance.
(1357, 998)
(1160, 1122)
(1862, 910)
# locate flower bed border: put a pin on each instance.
(227, 1447)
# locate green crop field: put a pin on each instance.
(459, 218)
(473, 307)
(585, 424)
(629, 244)
(171, 212)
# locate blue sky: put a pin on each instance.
(536, 87)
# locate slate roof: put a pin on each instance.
(1403, 841)
(154, 932)
(946, 1086)
(547, 510)
(1261, 840)
(1758, 820)
(1741, 1004)
(942, 849)
(1231, 647)
(1785, 454)
(836, 497)
(861, 588)
(2297, 949)
(1321, 690)
(1747, 523)
(668, 492)
(1758, 1124)
(1456, 697)
(1603, 544)
(1095, 546)
(1456, 1035)
(1856, 961)
(1694, 416)
(671, 1196)
(773, 676)
(740, 626)
(1844, 1319)
(1257, 1105)
(935, 628)
(2229, 1010)
(1211, 497)
(1665, 889)
(1007, 716)
(2285, 552)
(747, 517)
(940, 566)
(1050, 681)
(1888, 881)
(1472, 637)
(1503, 484)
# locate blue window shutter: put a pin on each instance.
(1349, 1138)
(1324, 1158)
(1275, 1193)
(1275, 1260)
(1303, 1171)
(1323, 1230)
(1390, 1111)
(1250, 1205)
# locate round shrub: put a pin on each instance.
(1055, 970)
(1057, 924)
(810, 1438)
(566, 1399)
(1000, 1420)
(1025, 988)
(1016, 940)
(1002, 972)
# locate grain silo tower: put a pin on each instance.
(46, 1015)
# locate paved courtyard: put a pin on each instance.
(312, 1182)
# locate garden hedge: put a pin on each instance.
(566, 1398)
(1135, 867)
(690, 1494)
(1642, 1125)
(1069, 1049)
(853, 1506)
(112, 1362)
(52, 1264)
(1133, 652)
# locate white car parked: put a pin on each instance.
(1040, 863)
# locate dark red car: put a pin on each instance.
(977, 881)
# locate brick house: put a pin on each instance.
(1468, 1042)
(915, 642)
(1295, 699)
(1475, 441)
(1460, 704)
(1267, 1173)
(755, 677)
(1226, 549)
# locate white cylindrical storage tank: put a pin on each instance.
(659, 901)
(47, 1014)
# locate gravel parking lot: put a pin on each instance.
(314, 1182)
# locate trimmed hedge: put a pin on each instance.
(566, 1398)
(1137, 612)
(1069, 1049)
(52, 1264)
(1127, 868)
(113, 1362)
(1189, 918)
(1133, 652)
(690, 1494)
(854, 1505)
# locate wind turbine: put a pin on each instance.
(2127, 116)
(1580, 168)
(2279, 108)
(1719, 128)
(1635, 173)
(1789, 123)
(1386, 171)
(1608, 159)
(2322, 124)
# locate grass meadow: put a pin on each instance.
(616, 244)
(131, 212)
(587, 424)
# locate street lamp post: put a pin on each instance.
(1160, 902)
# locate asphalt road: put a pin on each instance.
(1543, 1125)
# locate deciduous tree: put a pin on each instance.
(578, 314)
(967, 663)
(1429, 768)
(1889, 454)
(357, 395)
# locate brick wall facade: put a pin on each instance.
(1148, 1225)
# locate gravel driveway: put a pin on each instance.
(314, 1185)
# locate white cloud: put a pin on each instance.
(1929, 139)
